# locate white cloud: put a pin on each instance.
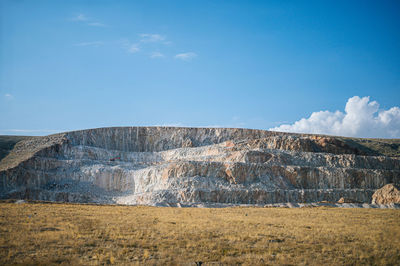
(147, 37)
(362, 118)
(133, 48)
(8, 96)
(31, 132)
(178, 124)
(80, 17)
(87, 20)
(156, 55)
(95, 43)
(129, 46)
(186, 56)
(96, 24)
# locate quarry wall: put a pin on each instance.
(168, 165)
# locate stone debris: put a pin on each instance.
(388, 194)
(347, 200)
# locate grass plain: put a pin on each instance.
(74, 234)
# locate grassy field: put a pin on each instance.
(387, 147)
(88, 234)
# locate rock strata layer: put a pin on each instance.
(168, 165)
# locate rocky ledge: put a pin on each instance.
(169, 166)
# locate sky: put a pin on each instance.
(329, 67)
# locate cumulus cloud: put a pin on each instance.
(186, 56)
(362, 118)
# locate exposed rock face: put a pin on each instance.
(166, 165)
(390, 193)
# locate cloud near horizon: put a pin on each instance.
(31, 132)
(362, 118)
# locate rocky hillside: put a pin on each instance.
(7, 143)
(169, 166)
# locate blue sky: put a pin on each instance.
(68, 65)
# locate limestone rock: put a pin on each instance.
(389, 193)
(347, 200)
(164, 166)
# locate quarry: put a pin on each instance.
(199, 167)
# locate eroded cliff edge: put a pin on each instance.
(169, 165)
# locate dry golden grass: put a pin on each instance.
(87, 234)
